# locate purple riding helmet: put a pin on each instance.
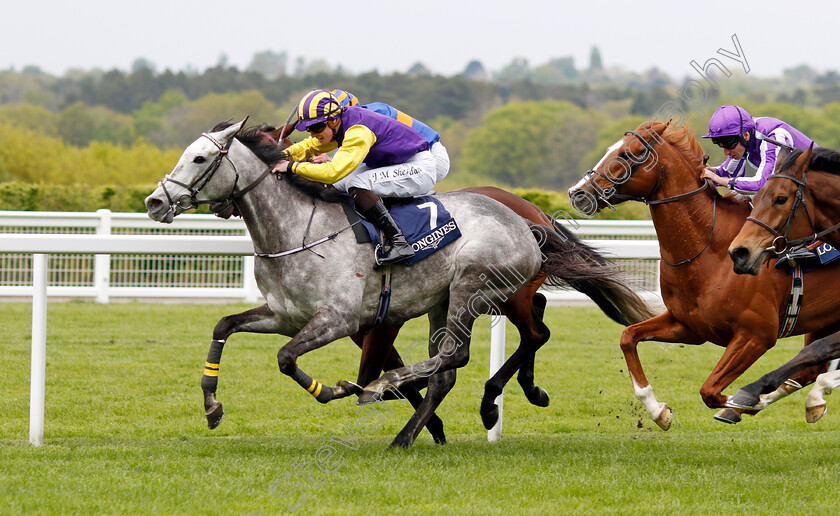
(728, 124)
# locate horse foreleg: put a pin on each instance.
(741, 352)
(326, 326)
(256, 320)
(454, 353)
(663, 328)
(757, 394)
(439, 386)
(815, 405)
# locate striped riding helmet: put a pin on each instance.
(345, 98)
(316, 106)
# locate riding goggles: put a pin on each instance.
(727, 142)
(317, 128)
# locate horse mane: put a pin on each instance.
(822, 160)
(270, 154)
(684, 140)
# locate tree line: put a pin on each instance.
(516, 130)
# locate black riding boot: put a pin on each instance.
(395, 247)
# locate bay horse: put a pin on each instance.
(800, 206)
(705, 300)
(317, 297)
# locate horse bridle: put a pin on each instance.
(194, 187)
(781, 242)
(646, 199)
(637, 162)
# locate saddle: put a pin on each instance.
(427, 225)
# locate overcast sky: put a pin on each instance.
(391, 35)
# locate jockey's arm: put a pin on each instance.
(357, 143)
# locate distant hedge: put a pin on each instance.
(40, 197)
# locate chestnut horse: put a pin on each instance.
(801, 203)
(705, 301)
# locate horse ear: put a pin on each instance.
(226, 135)
(803, 161)
(781, 157)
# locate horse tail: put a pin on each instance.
(567, 260)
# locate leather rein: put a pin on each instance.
(201, 181)
(600, 193)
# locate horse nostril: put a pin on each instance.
(739, 255)
(153, 203)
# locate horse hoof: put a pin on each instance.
(665, 418)
(345, 388)
(728, 416)
(813, 414)
(214, 417)
(743, 400)
(490, 416)
(367, 397)
(539, 397)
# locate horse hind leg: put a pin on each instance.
(440, 383)
(379, 354)
(535, 395)
(533, 334)
(256, 320)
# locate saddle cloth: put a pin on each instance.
(426, 224)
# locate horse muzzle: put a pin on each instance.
(159, 209)
(745, 261)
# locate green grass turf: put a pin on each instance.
(125, 431)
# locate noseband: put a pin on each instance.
(201, 181)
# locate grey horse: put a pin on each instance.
(320, 285)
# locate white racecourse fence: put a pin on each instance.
(74, 272)
(106, 255)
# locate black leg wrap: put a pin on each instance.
(321, 392)
(210, 379)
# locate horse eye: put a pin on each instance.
(198, 159)
(780, 200)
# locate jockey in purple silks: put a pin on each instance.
(737, 133)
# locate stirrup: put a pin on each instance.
(391, 257)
